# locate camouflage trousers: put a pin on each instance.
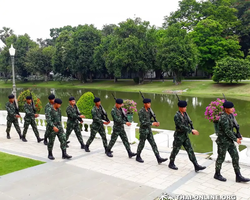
(16, 125)
(52, 135)
(33, 125)
(46, 132)
(119, 132)
(101, 131)
(185, 141)
(222, 150)
(146, 134)
(74, 126)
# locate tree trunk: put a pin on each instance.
(45, 77)
(158, 73)
(115, 79)
(90, 78)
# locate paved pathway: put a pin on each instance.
(95, 176)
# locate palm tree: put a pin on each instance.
(5, 33)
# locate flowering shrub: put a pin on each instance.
(22, 100)
(215, 109)
(129, 106)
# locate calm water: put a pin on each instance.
(164, 106)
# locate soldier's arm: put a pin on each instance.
(180, 125)
(28, 112)
(9, 110)
(143, 119)
(47, 111)
(116, 118)
(95, 117)
(229, 133)
(49, 119)
(71, 113)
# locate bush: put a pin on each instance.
(22, 100)
(85, 104)
(136, 80)
(231, 69)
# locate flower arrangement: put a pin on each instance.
(22, 100)
(214, 110)
(129, 106)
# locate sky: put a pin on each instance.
(37, 17)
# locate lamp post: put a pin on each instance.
(12, 54)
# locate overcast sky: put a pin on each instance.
(36, 17)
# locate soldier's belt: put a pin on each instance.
(57, 123)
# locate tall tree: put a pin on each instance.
(5, 33)
(177, 52)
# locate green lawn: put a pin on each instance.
(11, 163)
(194, 88)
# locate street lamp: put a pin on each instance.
(12, 54)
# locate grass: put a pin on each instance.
(11, 163)
(194, 88)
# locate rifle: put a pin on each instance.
(123, 112)
(235, 123)
(104, 113)
(34, 109)
(78, 113)
(189, 119)
(16, 107)
(150, 110)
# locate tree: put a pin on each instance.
(81, 51)
(5, 63)
(108, 29)
(176, 51)
(213, 44)
(231, 69)
(5, 33)
(22, 44)
(55, 32)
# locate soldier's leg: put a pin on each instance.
(104, 138)
(124, 138)
(235, 157)
(177, 143)
(51, 137)
(114, 137)
(46, 136)
(68, 130)
(143, 137)
(79, 135)
(9, 123)
(62, 138)
(222, 149)
(92, 137)
(188, 147)
(16, 124)
(35, 130)
(25, 129)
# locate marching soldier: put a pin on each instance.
(12, 116)
(97, 125)
(118, 129)
(29, 119)
(146, 132)
(55, 128)
(72, 123)
(181, 137)
(225, 142)
(47, 109)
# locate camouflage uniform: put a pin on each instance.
(97, 126)
(146, 132)
(118, 129)
(72, 123)
(181, 137)
(54, 119)
(47, 109)
(225, 142)
(29, 119)
(11, 118)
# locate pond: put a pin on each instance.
(164, 106)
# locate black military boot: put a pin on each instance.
(240, 178)
(108, 153)
(159, 159)
(82, 146)
(105, 148)
(197, 167)
(219, 177)
(87, 148)
(131, 154)
(20, 135)
(40, 139)
(8, 136)
(139, 159)
(24, 139)
(45, 142)
(65, 155)
(171, 165)
(50, 156)
(68, 142)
